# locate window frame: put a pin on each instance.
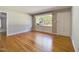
(42, 15)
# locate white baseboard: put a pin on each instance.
(17, 33)
(61, 35)
(75, 48)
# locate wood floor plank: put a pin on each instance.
(35, 42)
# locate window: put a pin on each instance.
(44, 20)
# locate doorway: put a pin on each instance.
(3, 28)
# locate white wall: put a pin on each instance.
(17, 22)
(64, 23)
(75, 27)
(47, 29)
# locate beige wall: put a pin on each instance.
(64, 23)
(17, 22)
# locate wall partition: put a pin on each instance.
(64, 22)
(56, 22)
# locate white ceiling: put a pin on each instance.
(34, 9)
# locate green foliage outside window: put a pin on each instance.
(44, 19)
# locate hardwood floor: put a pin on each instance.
(35, 42)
